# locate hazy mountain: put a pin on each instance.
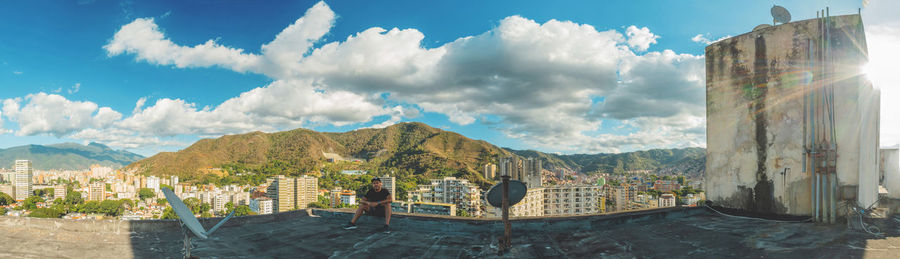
(68, 156)
(689, 161)
(416, 147)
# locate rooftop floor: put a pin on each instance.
(658, 233)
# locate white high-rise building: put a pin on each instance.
(490, 171)
(153, 183)
(389, 183)
(527, 171)
(22, 181)
(218, 202)
(571, 200)
(307, 188)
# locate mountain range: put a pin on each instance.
(413, 147)
(67, 156)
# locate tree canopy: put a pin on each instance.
(5, 199)
(145, 193)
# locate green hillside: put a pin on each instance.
(67, 156)
(407, 149)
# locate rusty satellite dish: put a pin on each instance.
(780, 14)
(761, 26)
(517, 191)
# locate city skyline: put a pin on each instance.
(569, 78)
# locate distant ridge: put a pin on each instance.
(67, 156)
(413, 146)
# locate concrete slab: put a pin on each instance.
(653, 233)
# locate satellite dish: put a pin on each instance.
(188, 220)
(761, 26)
(781, 14)
(517, 191)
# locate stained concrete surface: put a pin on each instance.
(694, 232)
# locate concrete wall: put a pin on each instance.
(891, 166)
(757, 84)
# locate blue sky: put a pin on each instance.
(151, 76)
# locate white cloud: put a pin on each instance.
(143, 38)
(658, 84)
(282, 104)
(538, 82)
(43, 113)
(640, 38)
(700, 38)
(121, 138)
(138, 105)
(397, 114)
(17, 72)
(75, 88)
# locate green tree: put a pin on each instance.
(166, 186)
(169, 213)
(72, 200)
(243, 210)
(228, 207)
(462, 213)
(31, 202)
(112, 207)
(45, 213)
(5, 199)
(89, 207)
(193, 204)
(2, 211)
(204, 207)
(162, 202)
(205, 214)
(145, 193)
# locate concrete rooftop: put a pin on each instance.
(680, 232)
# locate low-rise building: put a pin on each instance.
(465, 195)
(434, 208)
(667, 200)
(348, 197)
(261, 205)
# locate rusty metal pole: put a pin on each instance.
(507, 231)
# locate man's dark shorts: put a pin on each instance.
(377, 211)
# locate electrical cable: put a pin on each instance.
(772, 220)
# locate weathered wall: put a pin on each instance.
(756, 86)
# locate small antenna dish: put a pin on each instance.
(761, 26)
(517, 191)
(189, 223)
(780, 14)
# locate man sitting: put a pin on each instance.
(377, 202)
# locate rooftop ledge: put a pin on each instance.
(648, 233)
